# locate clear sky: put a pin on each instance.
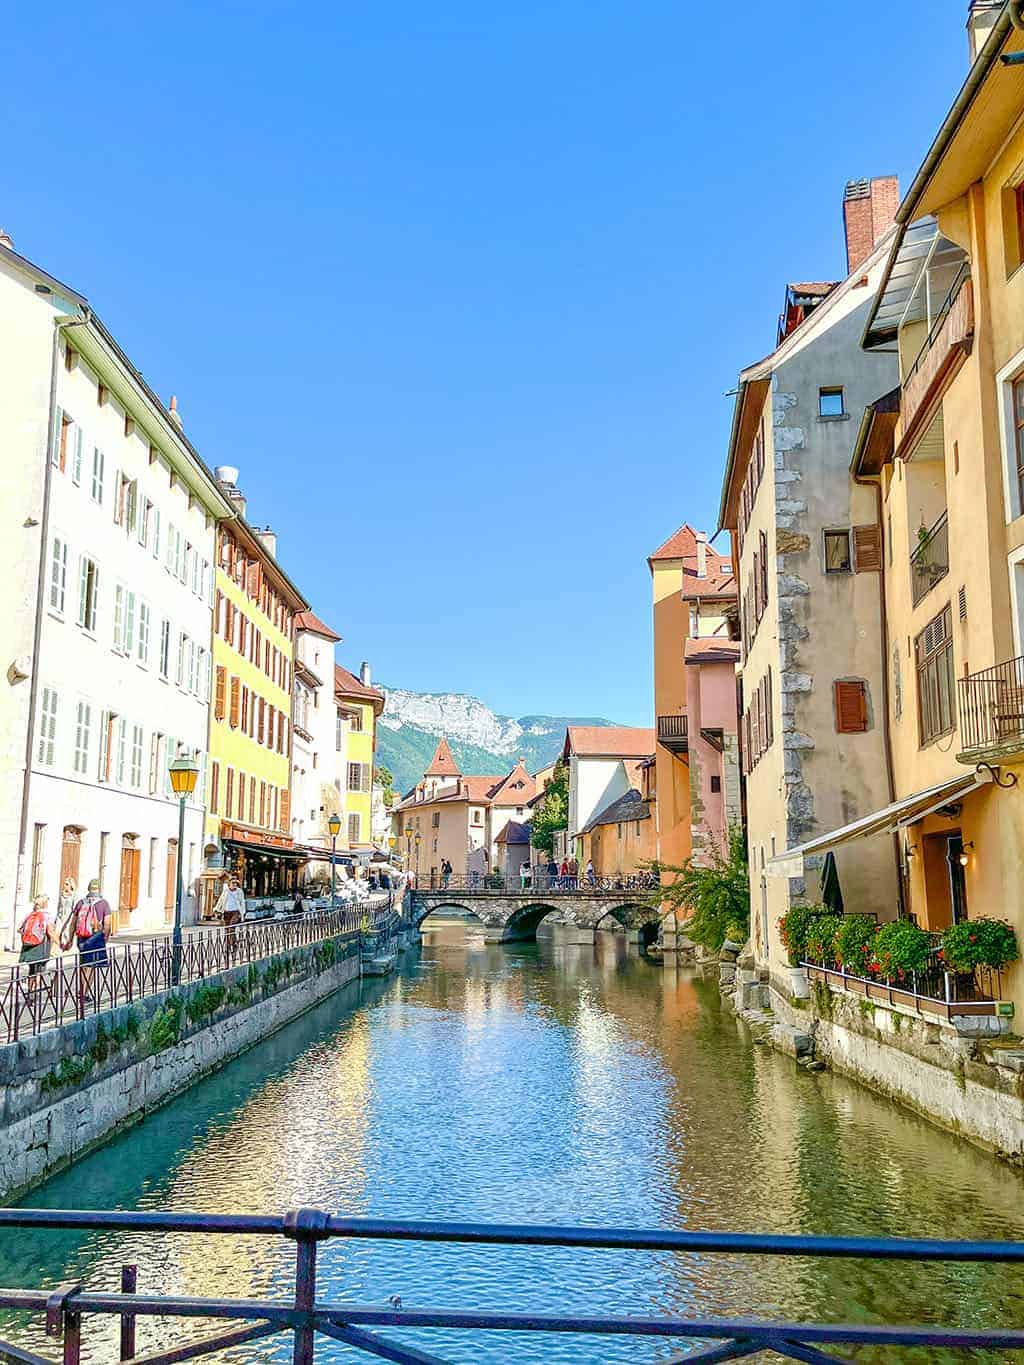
(460, 287)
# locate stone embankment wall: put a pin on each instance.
(68, 1089)
(969, 1083)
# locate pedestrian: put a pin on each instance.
(92, 928)
(231, 908)
(446, 872)
(524, 875)
(37, 933)
(552, 870)
(563, 874)
(574, 873)
(591, 878)
(66, 910)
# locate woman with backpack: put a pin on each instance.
(92, 916)
(37, 933)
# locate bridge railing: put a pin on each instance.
(305, 1318)
(539, 881)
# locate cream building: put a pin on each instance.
(107, 563)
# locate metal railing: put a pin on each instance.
(305, 1318)
(961, 278)
(992, 706)
(548, 883)
(63, 990)
(929, 563)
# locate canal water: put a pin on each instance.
(535, 1083)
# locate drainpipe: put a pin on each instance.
(883, 626)
(59, 325)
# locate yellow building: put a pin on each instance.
(358, 706)
(248, 797)
(945, 452)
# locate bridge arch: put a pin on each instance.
(432, 907)
(525, 919)
(646, 919)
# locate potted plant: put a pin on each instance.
(979, 943)
(794, 927)
(821, 939)
(901, 949)
(855, 944)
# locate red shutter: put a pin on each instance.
(851, 703)
(867, 549)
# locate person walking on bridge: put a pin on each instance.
(574, 874)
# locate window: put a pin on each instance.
(837, 552)
(851, 707)
(355, 777)
(47, 727)
(136, 769)
(214, 786)
(38, 859)
(157, 747)
(155, 538)
(235, 712)
(1018, 434)
(98, 461)
(76, 456)
(58, 575)
(124, 619)
(142, 652)
(179, 671)
(229, 786)
(478, 817)
(88, 593)
(165, 649)
(122, 751)
(830, 403)
(83, 727)
(933, 653)
(108, 733)
(716, 786)
(353, 828)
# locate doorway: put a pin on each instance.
(171, 880)
(71, 855)
(128, 888)
(957, 879)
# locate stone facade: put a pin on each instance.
(506, 918)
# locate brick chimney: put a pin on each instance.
(869, 210)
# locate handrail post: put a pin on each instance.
(306, 1227)
(129, 1281)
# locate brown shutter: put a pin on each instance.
(171, 876)
(219, 693)
(851, 708)
(285, 810)
(236, 701)
(135, 859)
(867, 548)
(70, 855)
(229, 786)
(214, 786)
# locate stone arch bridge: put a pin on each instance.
(509, 915)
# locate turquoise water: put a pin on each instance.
(538, 1083)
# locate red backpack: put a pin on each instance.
(33, 930)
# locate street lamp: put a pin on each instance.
(184, 773)
(334, 828)
(417, 859)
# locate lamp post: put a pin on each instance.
(183, 772)
(417, 859)
(334, 828)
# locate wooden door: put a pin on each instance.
(70, 855)
(128, 886)
(171, 884)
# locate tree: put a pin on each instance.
(551, 812)
(383, 779)
(711, 900)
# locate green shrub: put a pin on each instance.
(855, 944)
(68, 1071)
(821, 939)
(901, 948)
(165, 1026)
(795, 925)
(204, 1001)
(711, 899)
(979, 943)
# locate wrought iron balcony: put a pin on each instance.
(674, 733)
(930, 561)
(992, 710)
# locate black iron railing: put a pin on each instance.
(538, 880)
(64, 991)
(929, 563)
(368, 1326)
(992, 706)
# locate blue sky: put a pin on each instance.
(460, 288)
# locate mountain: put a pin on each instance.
(481, 740)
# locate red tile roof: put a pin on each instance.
(346, 684)
(442, 764)
(307, 620)
(681, 544)
(609, 741)
(516, 789)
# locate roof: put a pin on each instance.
(477, 790)
(632, 806)
(347, 685)
(307, 620)
(711, 649)
(718, 582)
(609, 741)
(681, 544)
(516, 789)
(442, 764)
(514, 833)
(815, 287)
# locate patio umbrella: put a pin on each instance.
(831, 892)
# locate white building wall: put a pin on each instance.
(317, 763)
(593, 784)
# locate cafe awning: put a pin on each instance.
(884, 821)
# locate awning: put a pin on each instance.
(884, 821)
(255, 849)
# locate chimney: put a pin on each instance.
(227, 476)
(702, 554)
(269, 539)
(869, 210)
(364, 673)
(981, 19)
(173, 413)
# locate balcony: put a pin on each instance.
(930, 561)
(947, 345)
(992, 712)
(674, 733)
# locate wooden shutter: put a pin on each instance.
(236, 701)
(285, 810)
(229, 791)
(867, 548)
(261, 723)
(170, 883)
(851, 700)
(70, 855)
(220, 692)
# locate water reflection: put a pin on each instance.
(542, 1083)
